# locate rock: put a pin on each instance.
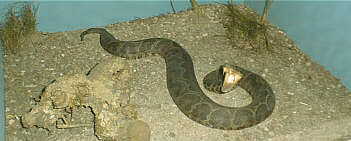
(139, 131)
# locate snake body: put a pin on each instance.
(184, 89)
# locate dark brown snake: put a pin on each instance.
(184, 89)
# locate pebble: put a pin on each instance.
(11, 121)
(265, 129)
(139, 131)
(339, 86)
(308, 64)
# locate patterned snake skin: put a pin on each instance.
(184, 89)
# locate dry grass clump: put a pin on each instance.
(245, 25)
(19, 22)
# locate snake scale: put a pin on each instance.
(184, 89)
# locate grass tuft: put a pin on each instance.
(19, 22)
(245, 25)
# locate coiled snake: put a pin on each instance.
(186, 92)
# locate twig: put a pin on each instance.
(195, 6)
(172, 4)
(263, 19)
(265, 11)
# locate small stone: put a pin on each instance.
(308, 64)
(339, 86)
(265, 129)
(11, 121)
(139, 131)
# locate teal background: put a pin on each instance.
(320, 28)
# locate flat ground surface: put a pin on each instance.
(311, 104)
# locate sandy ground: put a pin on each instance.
(311, 104)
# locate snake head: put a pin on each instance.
(91, 30)
(82, 35)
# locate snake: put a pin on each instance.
(183, 86)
